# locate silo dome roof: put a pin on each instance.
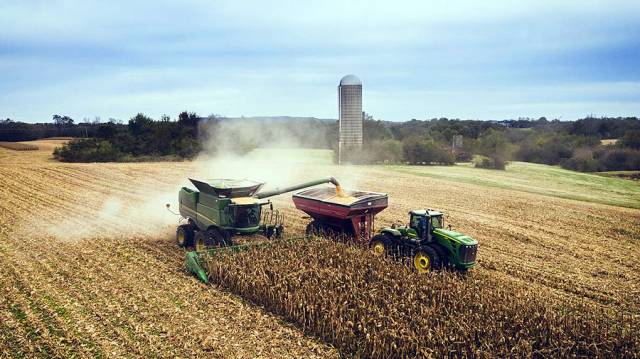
(350, 80)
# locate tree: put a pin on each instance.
(189, 119)
(494, 144)
(631, 139)
(140, 125)
(420, 150)
(107, 131)
(62, 121)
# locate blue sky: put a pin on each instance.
(417, 59)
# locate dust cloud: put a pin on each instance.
(234, 149)
(278, 158)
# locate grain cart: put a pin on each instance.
(349, 215)
(426, 241)
(222, 208)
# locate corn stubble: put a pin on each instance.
(17, 146)
(370, 307)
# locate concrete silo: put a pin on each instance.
(350, 114)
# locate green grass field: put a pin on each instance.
(541, 179)
(519, 176)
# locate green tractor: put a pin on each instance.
(426, 241)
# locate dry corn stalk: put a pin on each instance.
(377, 308)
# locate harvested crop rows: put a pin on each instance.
(110, 291)
(88, 267)
(17, 146)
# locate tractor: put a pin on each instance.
(427, 243)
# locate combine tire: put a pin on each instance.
(184, 236)
(219, 238)
(201, 241)
(425, 259)
(379, 244)
(227, 237)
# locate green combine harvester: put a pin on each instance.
(224, 208)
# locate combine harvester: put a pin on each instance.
(224, 208)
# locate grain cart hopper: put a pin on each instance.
(222, 208)
(350, 214)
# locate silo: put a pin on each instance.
(350, 114)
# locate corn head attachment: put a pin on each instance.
(196, 261)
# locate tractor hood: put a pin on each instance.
(457, 236)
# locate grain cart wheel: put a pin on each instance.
(311, 230)
(184, 236)
(425, 259)
(379, 244)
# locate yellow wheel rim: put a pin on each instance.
(200, 244)
(181, 238)
(421, 262)
(378, 248)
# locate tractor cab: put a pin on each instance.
(423, 222)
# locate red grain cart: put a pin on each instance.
(351, 215)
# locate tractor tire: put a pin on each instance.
(379, 244)
(443, 254)
(426, 259)
(184, 236)
(279, 234)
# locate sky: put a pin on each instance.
(487, 60)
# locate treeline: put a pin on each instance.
(61, 126)
(141, 138)
(573, 145)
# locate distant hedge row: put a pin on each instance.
(141, 138)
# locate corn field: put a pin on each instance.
(89, 268)
(369, 307)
